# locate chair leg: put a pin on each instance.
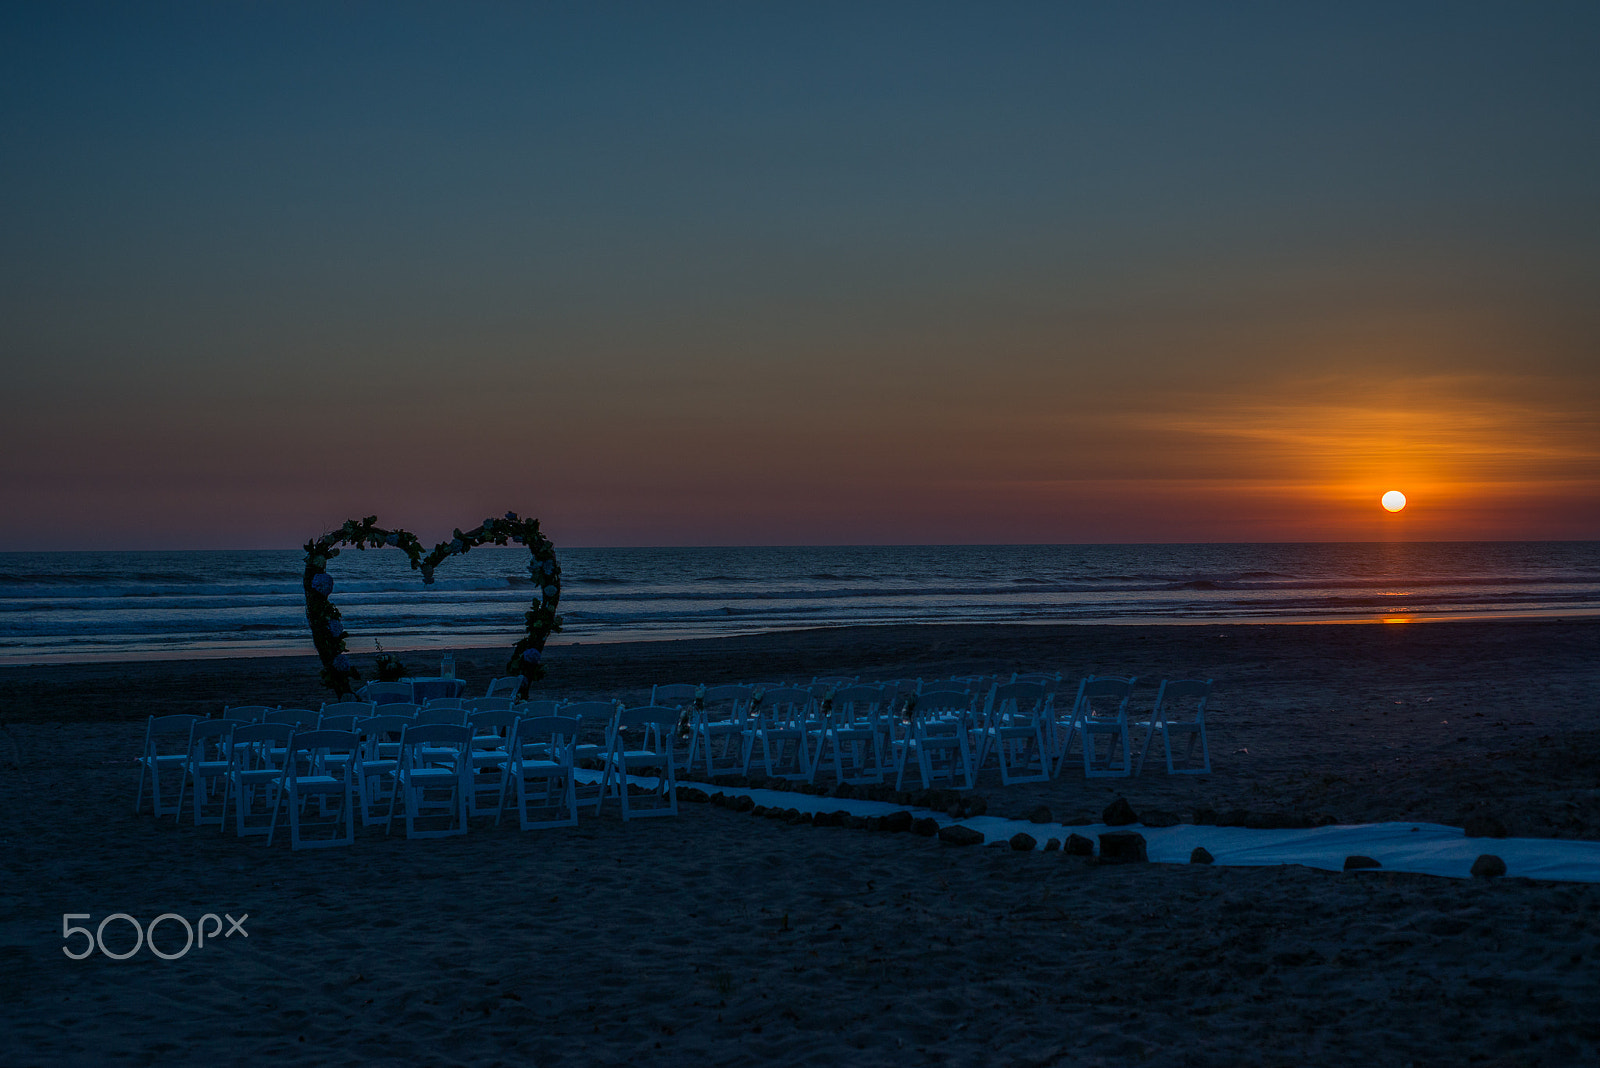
(294, 821)
(622, 795)
(1144, 750)
(394, 795)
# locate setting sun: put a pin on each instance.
(1394, 500)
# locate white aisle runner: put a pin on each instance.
(1420, 848)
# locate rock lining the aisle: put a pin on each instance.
(1416, 848)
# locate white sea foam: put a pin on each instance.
(64, 606)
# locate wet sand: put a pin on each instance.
(721, 938)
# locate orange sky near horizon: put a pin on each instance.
(1301, 461)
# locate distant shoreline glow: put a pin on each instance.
(278, 650)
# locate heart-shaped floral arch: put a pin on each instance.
(328, 632)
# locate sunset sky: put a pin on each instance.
(799, 273)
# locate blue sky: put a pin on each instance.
(799, 273)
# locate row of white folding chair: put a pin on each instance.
(470, 762)
(487, 755)
(338, 765)
(248, 761)
(938, 735)
(631, 741)
(302, 716)
(712, 722)
(789, 731)
(1032, 738)
(798, 732)
(196, 751)
(536, 762)
(239, 761)
(211, 745)
(870, 731)
(1027, 726)
(319, 765)
(1100, 712)
(274, 765)
(1030, 728)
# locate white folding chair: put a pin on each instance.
(301, 719)
(857, 737)
(165, 749)
(376, 762)
(433, 760)
(340, 723)
(359, 709)
(486, 704)
(716, 729)
(1014, 732)
(491, 760)
(541, 709)
(1180, 708)
(206, 769)
(246, 713)
(939, 740)
(781, 725)
(1100, 711)
(294, 717)
(311, 779)
(594, 716)
(505, 686)
(536, 709)
(674, 695)
(641, 742)
(255, 774)
(684, 696)
(542, 770)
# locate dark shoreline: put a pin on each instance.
(1233, 654)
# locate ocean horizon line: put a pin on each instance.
(868, 545)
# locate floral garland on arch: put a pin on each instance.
(330, 636)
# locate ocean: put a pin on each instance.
(85, 606)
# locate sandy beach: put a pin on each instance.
(721, 938)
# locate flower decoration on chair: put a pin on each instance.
(329, 634)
